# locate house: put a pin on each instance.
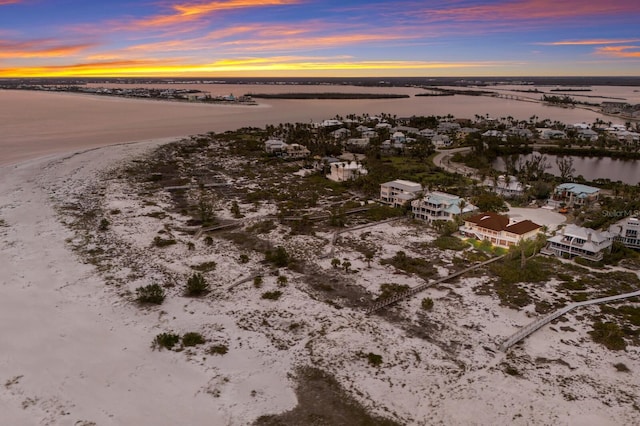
(406, 130)
(344, 171)
(437, 205)
(574, 240)
(493, 133)
(398, 192)
(627, 231)
(573, 194)
(587, 134)
(427, 133)
(331, 123)
(441, 141)
(548, 134)
(383, 125)
(369, 134)
(499, 229)
(506, 186)
(398, 138)
(274, 146)
(446, 126)
(294, 151)
(520, 133)
(357, 142)
(340, 133)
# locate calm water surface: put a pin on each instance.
(33, 124)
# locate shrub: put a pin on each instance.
(196, 286)
(151, 293)
(388, 290)
(205, 266)
(335, 262)
(427, 304)
(621, 367)
(244, 258)
(257, 281)
(450, 243)
(208, 240)
(282, 281)
(161, 242)
(374, 359)
(279, 257)
(165, 341)
(104, 225)
(218, 349)
(609, 335)
(272, 295)
(192, 339)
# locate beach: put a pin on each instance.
(77, 351)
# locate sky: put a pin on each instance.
(308, 38)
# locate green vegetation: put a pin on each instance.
(278, 257)
(152, 294)
(165, 341)
(427, 304)
(272, 295)
(450, 243)
(608, 334)
(104, 224)
(374, 359)
(196, 286)
(161, 242)
(244, 258)
(387, 290)
(192, 339)
(218, 349)
(421, 267)
(257, 281)
(282, 281)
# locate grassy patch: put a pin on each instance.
(412, 265)
(205, 266)
(450, 243)
(152, 294)
(387, 290)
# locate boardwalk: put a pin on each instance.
(356, 228)
(417, 289)
(538, 324)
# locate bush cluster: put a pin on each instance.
(152, 293)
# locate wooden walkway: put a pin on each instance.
(356, 228)
(417, 289)
(538, 324)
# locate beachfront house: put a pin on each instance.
(274, 146)
(627, 231)
(571, 194)
(576, 241)
(344, 171)
(294, 151)
(499, 229)
(552, 134)
(398, 192)
(436, 205)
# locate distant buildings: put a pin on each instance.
(437, 205)
(627, 231)
(399, 192)
(576, 241)
(499, 229)
(344, 171)
(284, 150)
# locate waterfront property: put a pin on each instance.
(289, 151)
(576, 241)
(344, 171)
(499, 229)
(571, 194)
(627, 231)
(437, 205)
(399, 192)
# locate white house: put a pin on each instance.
(344, 171)
(573, 240)
(499, 229)
(331, 123)
(440, 141)
(274, 146)
(357, 142)
(398, 192)
(294, 150)
(552, 134)
(340, 133)
(437, 205)
(506, 186)
(627, 231)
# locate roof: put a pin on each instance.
(490, 220)
(576, 188)
(523, 227)
(405, 185)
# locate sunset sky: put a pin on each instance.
(269, 38)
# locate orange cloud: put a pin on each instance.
(619, 51)
(7, 2)
(534, 10)
(191, 11)
(39, 49)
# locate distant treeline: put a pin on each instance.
(327, 95)
(588, 152)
